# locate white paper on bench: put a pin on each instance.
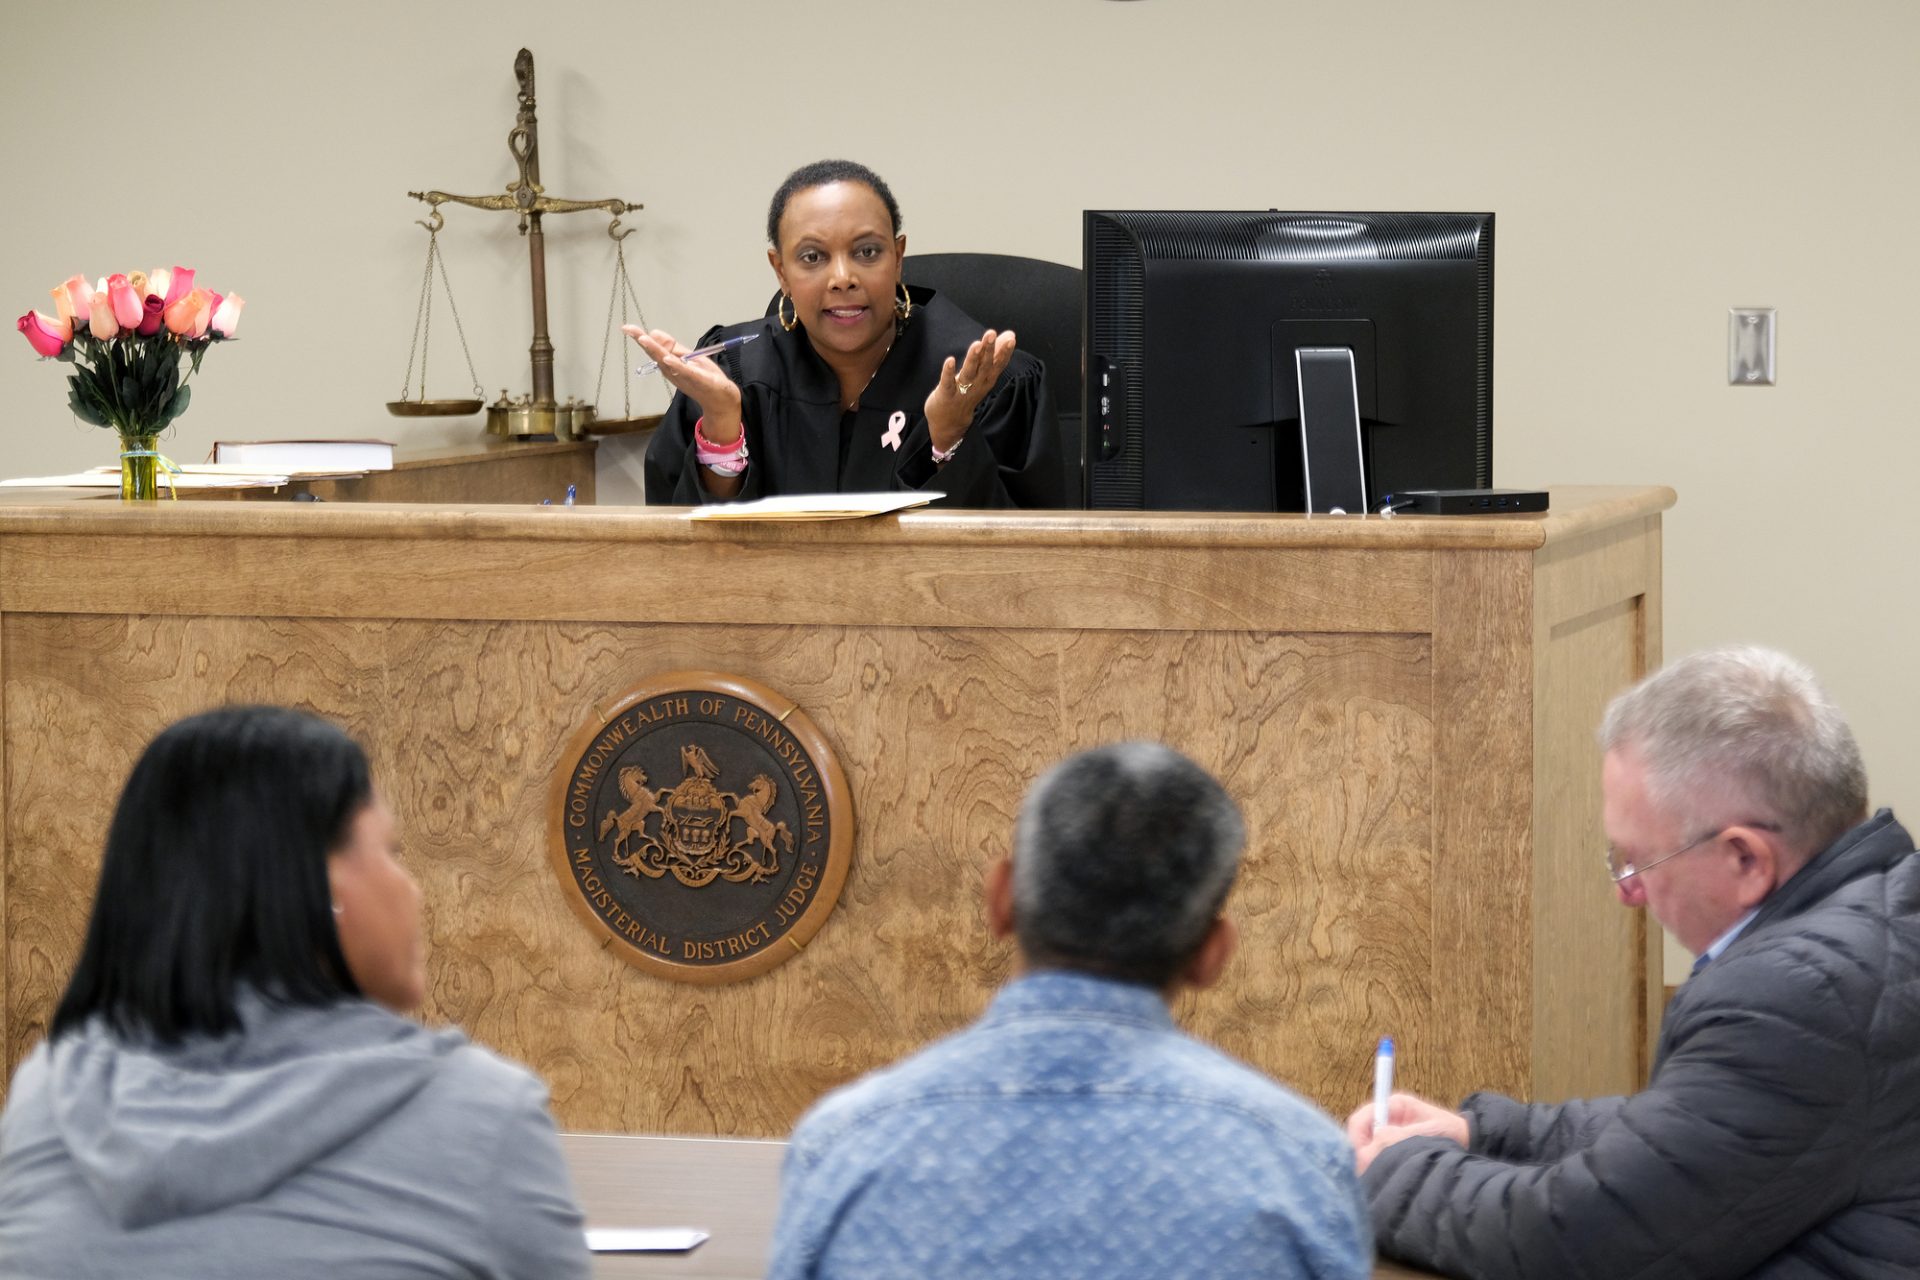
(644, 1239)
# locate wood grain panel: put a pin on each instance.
(1579, 576)
(1598, 1005)
(1327, 743)
(1483, 726)
(486, 470)
(1324, 739)
(1648, 638)
(494, 471)
(499, 579)
(1577, 512)
(6, 1049)
(1397, 704)
(1586, 998)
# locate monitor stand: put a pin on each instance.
(1332, 455)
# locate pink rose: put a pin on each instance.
(48, 335)
(179, 285)
(226, 316)
(103, 324)
(157, 283)
(188, 317)
(127, 308)
(62, 304)
(202, 312)
(179, 317)
(79, 297)
(153, 315)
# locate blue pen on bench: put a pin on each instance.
(729, 344)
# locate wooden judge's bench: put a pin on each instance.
(1403, 707)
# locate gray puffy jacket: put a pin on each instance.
(1778, 1138)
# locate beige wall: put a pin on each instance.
(1652, 164)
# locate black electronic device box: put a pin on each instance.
(1272, 361)
(1462, 502)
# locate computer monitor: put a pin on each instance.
(1207, 332)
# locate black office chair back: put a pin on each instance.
(1042, 303)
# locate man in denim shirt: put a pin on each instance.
(1074, 1130)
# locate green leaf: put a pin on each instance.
(178, 405)
(198, 351)
(90, 391)
(83, 411)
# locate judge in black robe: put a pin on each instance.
(802, 441)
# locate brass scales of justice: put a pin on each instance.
(536, 414)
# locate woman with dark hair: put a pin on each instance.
(230, 1087)
(857, 382)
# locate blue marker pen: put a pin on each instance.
(1382, 1081)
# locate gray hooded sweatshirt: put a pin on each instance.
(317, 1142)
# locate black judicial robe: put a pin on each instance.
(799, 440)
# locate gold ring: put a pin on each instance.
(964, 388)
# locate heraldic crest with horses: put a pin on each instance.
(688, 829)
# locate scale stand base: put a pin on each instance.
(523, 419)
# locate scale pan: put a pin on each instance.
(433, 408)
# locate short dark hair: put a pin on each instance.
(215, 876)
(819, 174)
(1122, 858)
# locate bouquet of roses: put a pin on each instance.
(126, 335)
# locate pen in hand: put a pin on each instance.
(653, 366)
(1382, 1081)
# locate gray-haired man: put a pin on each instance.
(1073, 1131)
(1779, 1134)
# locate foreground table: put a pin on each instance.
(728, 1188)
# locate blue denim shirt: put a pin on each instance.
(1072, 1131)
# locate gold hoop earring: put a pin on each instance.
(789, 323)
(903, 305)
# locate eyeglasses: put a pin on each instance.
(1618, 870)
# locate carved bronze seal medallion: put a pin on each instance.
(702, 826)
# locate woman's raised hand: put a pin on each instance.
(701, 381)
(963, 385)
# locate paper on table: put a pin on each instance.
(329, 457)
(193, 478)
(644, 1239)
(264, 468)
(816, 506)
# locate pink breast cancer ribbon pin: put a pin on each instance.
(895, 425)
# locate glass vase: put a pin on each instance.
(139, 469)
